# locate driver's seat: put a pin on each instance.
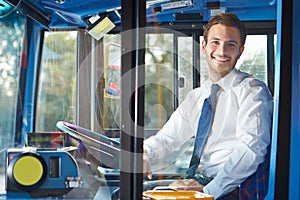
(256, 185)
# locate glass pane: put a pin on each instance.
(203, 65)
(11, 31)
(66, 96)
(112, 78)
(254, 57)
(159, 80)
(185, 66)
(177, 161)
(56, 95)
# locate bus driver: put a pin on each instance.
(241, 107)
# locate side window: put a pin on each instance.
(56, 90)
(12, 28)
(159, 80)
(185, 67)
(112, 87)
(254, 57)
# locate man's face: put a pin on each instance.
(222, 50)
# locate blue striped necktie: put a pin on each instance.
(204, 126)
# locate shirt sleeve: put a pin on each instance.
(174, 133)
(253, 132)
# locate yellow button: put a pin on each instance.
(28, 170)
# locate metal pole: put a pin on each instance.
(132, 98)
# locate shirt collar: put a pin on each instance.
(226, 82)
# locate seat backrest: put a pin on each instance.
(256, 185)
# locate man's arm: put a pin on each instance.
(253, 136)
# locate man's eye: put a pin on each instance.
(215, 42)
(233, 45)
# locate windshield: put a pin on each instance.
(11, 31)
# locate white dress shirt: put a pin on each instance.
(239, 136)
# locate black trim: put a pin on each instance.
(189, 16)
(34, 11)
(196, 60)
(270, 62)
(175, 67)
(133, 93)
(282, 173)
(253, 27)
(38, 70)
(213, 5)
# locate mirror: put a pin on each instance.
(5, 8)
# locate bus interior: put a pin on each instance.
(102, 75)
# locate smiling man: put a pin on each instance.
(233, 142)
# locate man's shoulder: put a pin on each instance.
(249, 84)
(248, 80)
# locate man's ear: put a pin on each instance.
(241, 51)
(203, 46)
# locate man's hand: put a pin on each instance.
(186, 184)
(146, 165)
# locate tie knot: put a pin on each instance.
(214, 89)
(213, 95)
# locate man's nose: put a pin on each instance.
(221, 50)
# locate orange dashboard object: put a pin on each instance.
(174, 195)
